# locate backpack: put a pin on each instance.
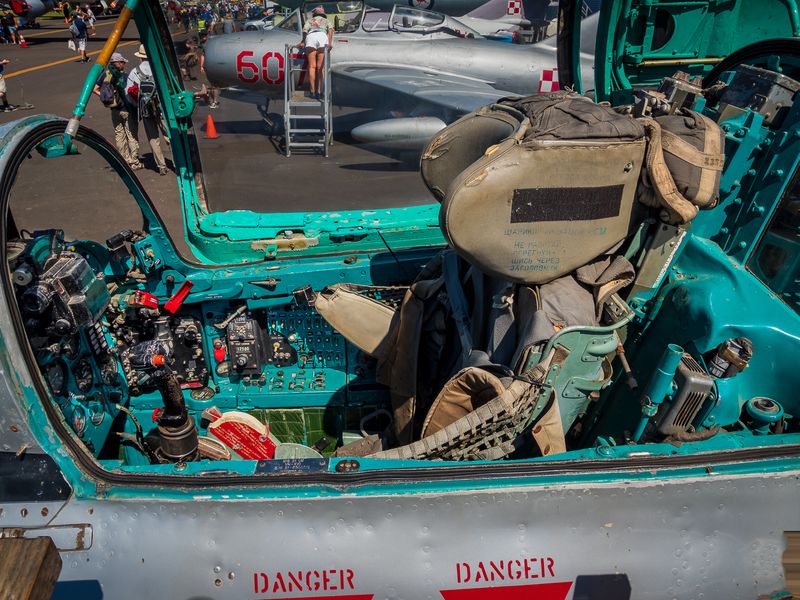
(147, 95)
(109, 94)
(73, 29)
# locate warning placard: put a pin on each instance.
(507, 579)
(316, 582)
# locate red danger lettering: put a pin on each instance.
(302, 580)
(247, 70)
(491, 571)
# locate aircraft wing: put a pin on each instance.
(452, 92)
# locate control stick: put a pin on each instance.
(177, 431)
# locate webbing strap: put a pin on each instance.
(665, 191)
(677, 146)
(502, 339)
(458, 303)
(679, 209)
(476, 279)
(706, 194)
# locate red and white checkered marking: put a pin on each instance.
(548, 82)
(514, 8)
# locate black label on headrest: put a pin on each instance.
(531, 205)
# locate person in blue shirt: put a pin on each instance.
(80, 32)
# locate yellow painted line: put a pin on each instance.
(63, 61)
(63, 30)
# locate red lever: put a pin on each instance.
(174, 303)
(142, 299)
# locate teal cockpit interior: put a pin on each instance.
(557, 310)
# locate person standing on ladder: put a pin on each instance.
(317, 35)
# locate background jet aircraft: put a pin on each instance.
(36, 9)
(421, 65)
(447, 7)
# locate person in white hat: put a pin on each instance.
(111, 89)
(141, 91)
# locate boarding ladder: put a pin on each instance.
(307, 121)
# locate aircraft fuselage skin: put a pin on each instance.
(454, 8)
(255, 61)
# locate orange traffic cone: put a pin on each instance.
(22, 41)
(211, 129)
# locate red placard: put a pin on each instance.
(539, 591)
(244, 434)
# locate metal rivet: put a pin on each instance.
(546, 450)
(218, 582)
(537, 429)
(24, 512)
(45, 511)
(14, 428)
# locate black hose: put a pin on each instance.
(757, 51)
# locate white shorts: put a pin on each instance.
(2, 84)
(81, 45)
(316, 40)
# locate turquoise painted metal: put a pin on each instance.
(659, 386)
(699, 300)
(641, 42)
(620, 489)
(244, 236)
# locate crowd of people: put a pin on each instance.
(215, 19)
(130, 94)
(9, 27)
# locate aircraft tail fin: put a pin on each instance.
(507, 10)
(499, 9)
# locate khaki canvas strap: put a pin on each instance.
(666, 194)
(548, 432)
(706, 194)
(677, 146)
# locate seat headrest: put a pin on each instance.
(550, 197)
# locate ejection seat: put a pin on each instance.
(477, 375)
(504, 339)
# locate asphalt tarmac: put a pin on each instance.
(243, 169)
